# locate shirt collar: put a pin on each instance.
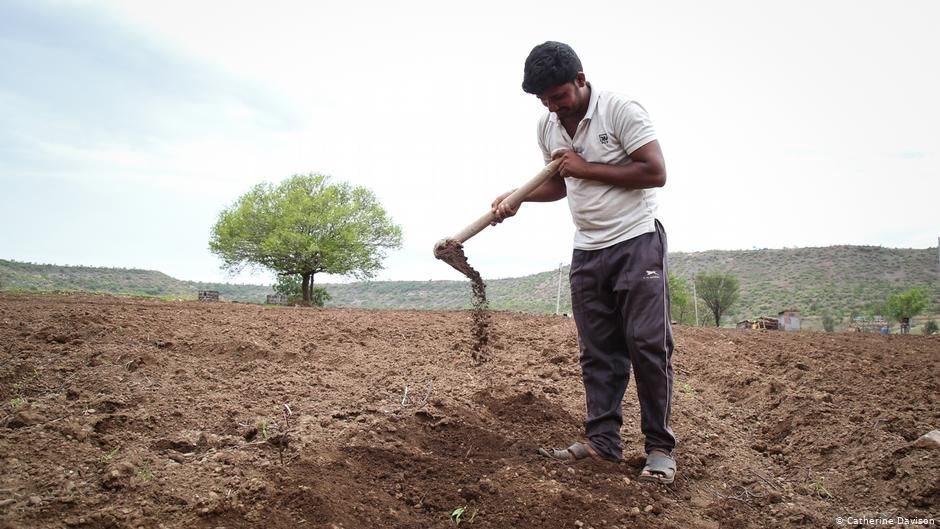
(591, 109)
(592, 104)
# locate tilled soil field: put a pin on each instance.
(126, 413)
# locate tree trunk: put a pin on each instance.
(306, 287)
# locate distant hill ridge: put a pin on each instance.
(839, 280)
(30, 277)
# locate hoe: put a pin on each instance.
(450, 250)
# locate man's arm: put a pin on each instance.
(647, 170)
(553, 189)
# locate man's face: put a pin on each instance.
(566, 100)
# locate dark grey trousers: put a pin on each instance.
(620, 301)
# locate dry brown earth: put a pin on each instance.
(125, 413)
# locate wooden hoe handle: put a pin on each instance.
(514, 200)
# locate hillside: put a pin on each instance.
(534, 293)
(29, 277)
(839, 280)
(43, 278)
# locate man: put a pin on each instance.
(610, 165)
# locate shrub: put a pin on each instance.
(930, 327)
(320, 296)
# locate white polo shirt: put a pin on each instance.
(612, 128)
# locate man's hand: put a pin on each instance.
(501, 209)
(646, 170)
(572, 165)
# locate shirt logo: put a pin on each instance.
(651, 274)
(603, 137)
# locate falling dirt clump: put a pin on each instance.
(451, 252)
(481, 320)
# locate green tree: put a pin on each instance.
(680, 300)
(304, 226)
(907, 304)
(828, 322)
(718, 291)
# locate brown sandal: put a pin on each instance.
(575, 452)
(660, 468)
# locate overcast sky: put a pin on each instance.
(125, 127)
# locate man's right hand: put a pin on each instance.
(501, 209)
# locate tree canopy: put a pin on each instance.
(304, 226)
(718, 291)
(907, 304)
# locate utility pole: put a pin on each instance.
(558, 295)
(695, 301)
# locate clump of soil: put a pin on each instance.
(451, 252)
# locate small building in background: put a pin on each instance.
(759, 323)
(872, 324)
(789, 320)
(276, 299)
(208, 295)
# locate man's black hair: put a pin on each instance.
(550, 64)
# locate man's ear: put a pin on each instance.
(580, 81)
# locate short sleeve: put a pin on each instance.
(633, 124)
(543, 139)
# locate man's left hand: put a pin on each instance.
(572, 165)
